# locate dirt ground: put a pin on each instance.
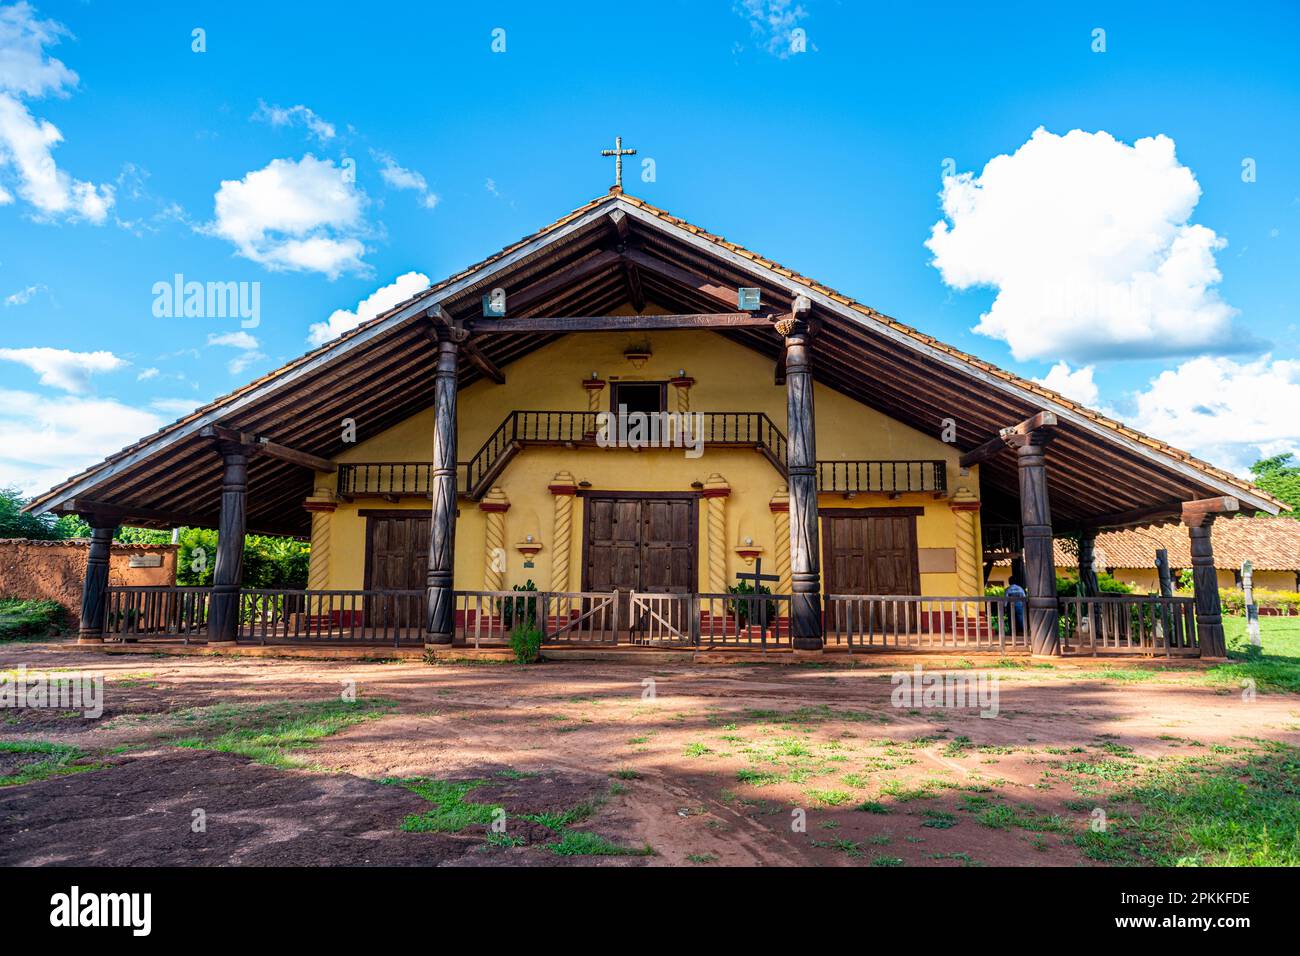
(702, 765)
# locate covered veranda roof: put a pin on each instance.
(614, 251)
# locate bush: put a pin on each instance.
(1283, 602)
(520, 611)
(526, 642)
(19, 618)
(741, 609)
(1067, 585)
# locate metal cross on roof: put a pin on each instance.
(618, 152)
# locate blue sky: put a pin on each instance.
(1164, 276)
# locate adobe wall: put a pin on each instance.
(54, 570)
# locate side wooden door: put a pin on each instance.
(397, 559)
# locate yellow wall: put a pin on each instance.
(728, 377)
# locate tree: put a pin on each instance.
(14, 523)
(1281, 479)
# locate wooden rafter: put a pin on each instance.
(620, 323)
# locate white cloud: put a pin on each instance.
(248, 345)
(773, 23)
(26, 142)
(286, 116)
(23, 296)
(25, 68)
(178, 407)
(399, 177)
(303, 215)
(243, 360)
(51, 438)
(147, 374)
(1087, 241)
(1076, 384)
(62, 368)
(1227, 412)
(235, 340)
(381, 300)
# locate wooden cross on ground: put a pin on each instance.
(618, 152)
(757, 578)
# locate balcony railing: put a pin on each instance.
(891, 477)
(520, 429)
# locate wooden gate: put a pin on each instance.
(663, 619)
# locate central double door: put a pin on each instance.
(644, 543)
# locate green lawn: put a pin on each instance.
(1275, 665)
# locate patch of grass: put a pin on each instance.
(939, 820)
(626, 773)
(872, 806)
(1208, 813)
(830, 798)
(270, 733)
(957, 747)
(697, 749)
(52, 760)
(701, 858)
(504, 840)
(579, 843)
(451, 812)
(1003, 816)
(886, 861)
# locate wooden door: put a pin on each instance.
(641, 543)
(397, 559)
(871, 553)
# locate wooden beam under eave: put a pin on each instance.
(622, 323)
(267, 447)
(993, 446)
(717, 293)
(635, 294)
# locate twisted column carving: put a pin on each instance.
(716, 492)
(780, 505)
(321, 505)
(564, 488)
(494, 506)
(966, 508)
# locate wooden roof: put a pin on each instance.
(591, 263)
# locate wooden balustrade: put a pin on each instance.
(1129, 624)
(925, 623)
(892, 477)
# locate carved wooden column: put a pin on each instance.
(1088, 563)
(716, 492)
(440, 622)
(1036, 528)
(494, 506)
(94, 594)
(780, 507)
(320, 505)
(564, 487)
(228, 572)
(801, 471)
(1205, 585)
